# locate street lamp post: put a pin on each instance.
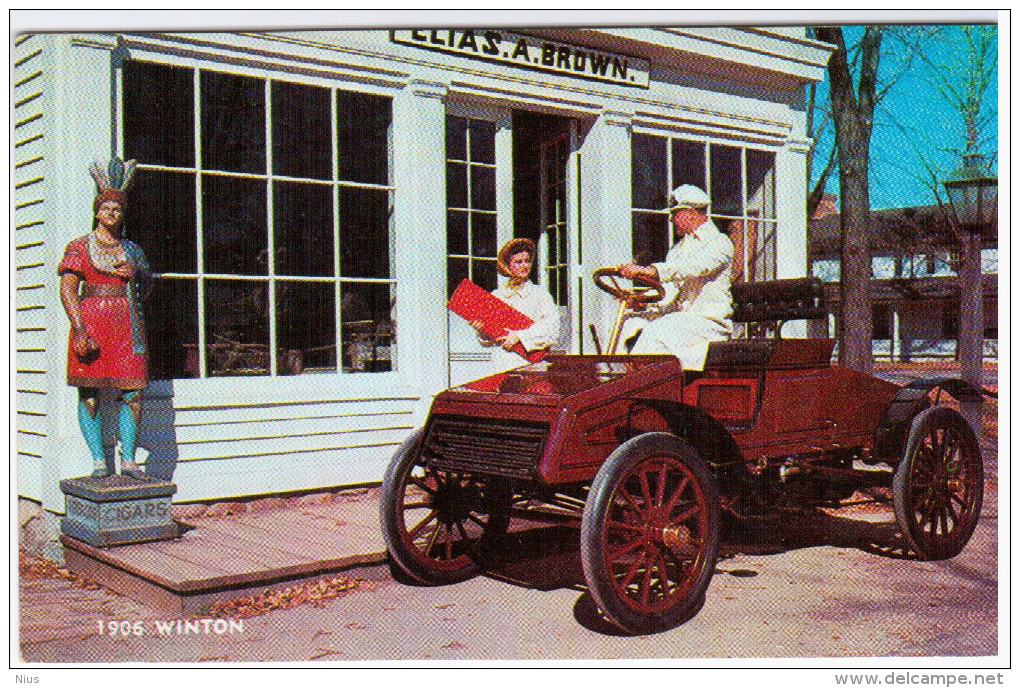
(973, 198)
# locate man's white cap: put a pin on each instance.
(688, 196)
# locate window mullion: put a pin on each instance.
(745, 224)
(669, 191)
(270, 259)
(470, 215)
(200, 259)
(335, 165)
(118, 110)
(546, 268)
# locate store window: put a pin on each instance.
(740, 181)
(554, 216)
(265, 207)
(470, 201)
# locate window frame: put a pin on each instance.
(270, 278)
(766, 254)
(503, 210)
(556, 227)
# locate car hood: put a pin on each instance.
(552, 381)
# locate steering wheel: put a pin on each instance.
(605, 279)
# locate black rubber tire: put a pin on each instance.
(938, 487)
(681, 528)
(427, 562)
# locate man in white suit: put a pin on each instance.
(698, 266)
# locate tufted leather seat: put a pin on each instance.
(781, 300)
(773, 303)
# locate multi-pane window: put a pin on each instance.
(741, 184)
(470, 201)
(554, 215)
(265, 206)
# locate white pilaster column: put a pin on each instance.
(419, 224)
(605, 214)
(504, 180)
(791, 216)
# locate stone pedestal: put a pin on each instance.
(117, 510)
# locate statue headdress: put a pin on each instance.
(113, 182)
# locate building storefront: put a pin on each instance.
(309, 200)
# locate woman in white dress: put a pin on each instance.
(514, 261)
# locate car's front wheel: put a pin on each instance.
(650, 534)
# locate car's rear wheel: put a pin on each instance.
(437, 523)
(939, 484)
(650, 534)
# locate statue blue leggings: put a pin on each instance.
(127, 422)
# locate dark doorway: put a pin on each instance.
(542, 146)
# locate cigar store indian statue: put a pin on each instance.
(103, 278)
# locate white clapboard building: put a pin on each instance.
(309, 199)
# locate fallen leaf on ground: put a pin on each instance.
(31, 567)
(325, 652)
(315, 593)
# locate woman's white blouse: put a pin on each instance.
(536, 303)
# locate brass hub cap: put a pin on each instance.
(677, 537)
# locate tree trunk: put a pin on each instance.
(852, 115)
(855, 258)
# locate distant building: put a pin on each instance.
(915, 291)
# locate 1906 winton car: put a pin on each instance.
(646, 458)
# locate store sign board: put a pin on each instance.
(504, 47)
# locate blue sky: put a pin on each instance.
(917, 106)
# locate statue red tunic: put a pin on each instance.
(108, 321)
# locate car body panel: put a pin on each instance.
(789, 401)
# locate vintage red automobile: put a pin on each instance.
(646, 458)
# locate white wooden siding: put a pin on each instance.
(220, 451)
(274, 474)
(31, 79)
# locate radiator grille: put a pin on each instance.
(479, 445)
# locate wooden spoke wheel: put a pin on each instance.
(650, 534)
(939, 484)
(437, 523)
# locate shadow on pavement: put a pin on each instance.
(587, 614)
(548, 558)
(816, 528)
